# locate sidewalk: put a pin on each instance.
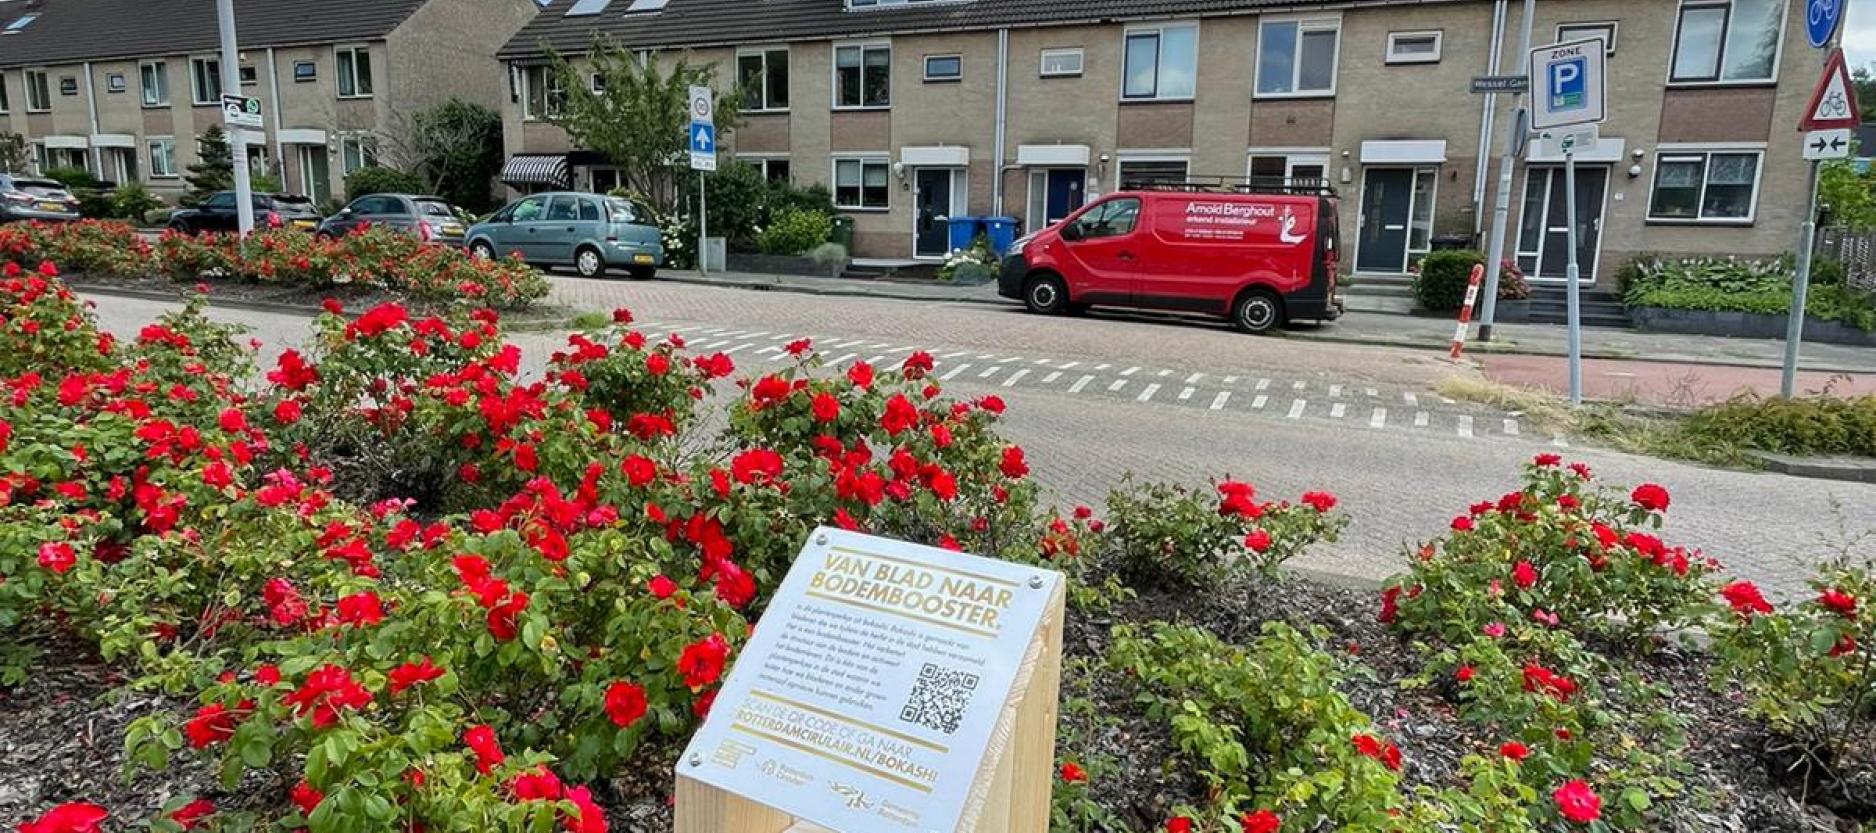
(1412, 331)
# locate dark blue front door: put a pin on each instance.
(1067, 191)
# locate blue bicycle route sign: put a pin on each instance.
(1821, 18)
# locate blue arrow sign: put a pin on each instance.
(703, 138)
(1820, 20)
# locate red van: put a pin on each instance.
(1260, 256)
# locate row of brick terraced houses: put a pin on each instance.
(913, 110)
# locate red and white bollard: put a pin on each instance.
(1465, 312)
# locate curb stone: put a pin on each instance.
(1848, 469)
(556, 314)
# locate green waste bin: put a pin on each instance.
(843, 233)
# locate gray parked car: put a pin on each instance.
(31, 198)
(590, 232)
(429, 218)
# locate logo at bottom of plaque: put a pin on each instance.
(853, 796)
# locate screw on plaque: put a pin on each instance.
(696, 759)
(1035, 582)
(821, 539)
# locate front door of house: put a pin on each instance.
(1387, 201)
(931, 225)
(1067, 191)
(1544, 231)
(315, 176)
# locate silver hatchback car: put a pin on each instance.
(32, 198)
(590, 232)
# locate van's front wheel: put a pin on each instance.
(1257, 311)
(1046, 295)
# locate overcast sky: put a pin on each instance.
(1859, 33)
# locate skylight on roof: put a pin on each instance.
(21, 22)
(639, 6)
(588, 7)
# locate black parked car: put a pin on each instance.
(270, 211)
(429, 218)
(31, 198)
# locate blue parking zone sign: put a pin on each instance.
(1569, 84)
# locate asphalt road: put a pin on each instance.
(1095, 398)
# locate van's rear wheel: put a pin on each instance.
(1046, 295)
(1257, 311)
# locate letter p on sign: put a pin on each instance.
(1567, 88)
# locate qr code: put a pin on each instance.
(939, 698)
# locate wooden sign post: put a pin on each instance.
(888, 687)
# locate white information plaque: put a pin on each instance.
(872, 696)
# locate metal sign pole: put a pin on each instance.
(703, 227)
(237, 137)
(1501, 207)
(1571, 274)
(1800, 287)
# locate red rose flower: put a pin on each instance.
(1319, 501)
(1745, 598)
(1524, 575)
(1465, 674)
(661, 587)
(1179, 824)
(860, 374)
(1843, 604)
(702, 661)
(488, 751)
(825, 407)
(1577, 802)
(412, 673)
(1386, 753)
(1546, 460)
(1651, 497)
(188, 816)
(67, 818)
(625, 704)
(1463, 523)
(1258, 541)
(900, 415)
(215, 723)
(1013, 465)
(1072, 773)
(360, 609)
(539, 784)
(1514, 750)
(588, 818)
(57, 556)
(305, 798)
(917, 365)
(326, 692)
(1262, 821)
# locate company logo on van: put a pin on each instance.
(1243, 210)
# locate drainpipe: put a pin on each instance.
(1488, 112)
(91, 104)
(273, 94)
(1003, 113)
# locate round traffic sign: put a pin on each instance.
(1820, 20)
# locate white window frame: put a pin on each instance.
(864, 47)
(1304, 24)
(1081, 62)
(42, 158)
(45, 80)
(596, 81)
(762, 161)
(6, 98)
(150, 145)
(1674, 47)
(1159, 31)
(929, 78)
(763, 52)
(1393, 41)
(1575, 30)
(198, 71)
(1121, 159)
(115, 82)
(864, 161)
(340, 75)
(1292, 157)
(309, 77)
(367, 146)
(1670, 152)
(548, 76)
(158, 70)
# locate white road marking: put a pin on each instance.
(955, 353)
(1102, 366)
(705, 345)
(876, 360)
(1296, 408)
(1231, 380)
(1118, 384)
(1511, 427)
(847, 343)
(1187, 393)
(991, 372)
(987, 356)
(1130, 371)
(1052, 377)
(1411, 398)
(1165, 373)
(1218, 402)
(1300, 385)
(1079, 384)
(1258, 403)
(1043, 362)
(769, 350)
(1371, 392)
(1147, 394)
(742, 346)
(1421, 419)
(843, 358)
(1559, 442)
(1263, 384)
(1015, 377)
(1465, 425)
(1070, 365)
(1194, 378)
(1378, 419)
(1338, 410)
(953, 372)
(1335, 391)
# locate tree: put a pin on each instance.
(13, 155)
(1864, 80)
(213, 169)
(1846, 196)
(638, 119)
(457, 148)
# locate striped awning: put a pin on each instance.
(536, 169)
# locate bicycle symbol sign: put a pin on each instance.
(1821, 18)
(1834, 106)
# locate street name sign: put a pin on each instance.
(1833, 102)
(889, 687)
(1820, 20)
(1570, 84)
(241, 111)
(1827, 144)
(1500, 84)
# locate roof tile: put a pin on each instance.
(70, 31)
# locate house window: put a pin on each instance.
(1290, 168)
(42, 159)
(155, 78)
(357, 152)
(544, 93)
(597, 83)
(162, 158)
(1717, 186)
(38, 93)
(944, 68)
(862, 184)
(1137, 172)
(205, 80)
(1730, 41)
(355, 73)
(305, 71)
(764, 77)
(114, 82)
(21, 22)
(1061, 63)
(250, 75)
(1567, 32)
(862, 76)
(5, 105)
(1297, 57)
(68, 85)
(773, 168)
(1160, 62)
(1413, 47)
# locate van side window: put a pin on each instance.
(1114, 218)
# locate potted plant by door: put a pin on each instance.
(1514, 294)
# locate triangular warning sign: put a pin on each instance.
(1833, 103)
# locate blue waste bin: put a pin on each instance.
(963, 231)
(1002, 232)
